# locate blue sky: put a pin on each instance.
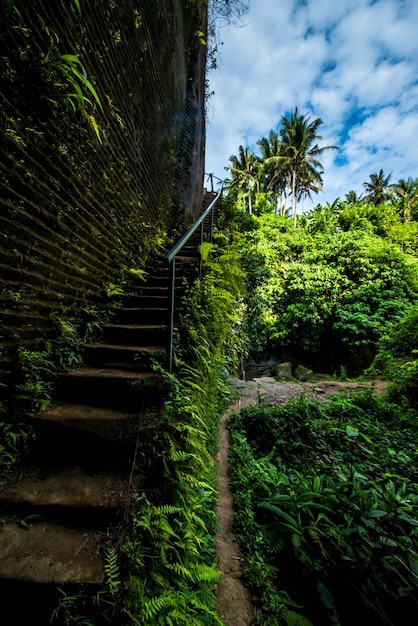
(352, 63)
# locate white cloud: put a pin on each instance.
(351, 62)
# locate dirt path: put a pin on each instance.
(234, 602)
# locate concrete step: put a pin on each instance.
(108, 387)
(102, 421)
(71, 487)
(142, 315)
(135, 334)
(132, 358)
(48, 553)
(147, 301)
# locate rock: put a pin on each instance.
(264, 379)
(263, 367)
(303, 373)
(283, 371)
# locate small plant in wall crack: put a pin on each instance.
(34, 391)
(68, 74)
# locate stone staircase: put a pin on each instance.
(67, 502)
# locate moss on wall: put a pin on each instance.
(102, 142)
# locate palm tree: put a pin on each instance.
(307, 184)
(406, 197)
(324, 218)
(244, 169)
(273, 173)
(378, 188)
(352, 198)
(298, 136)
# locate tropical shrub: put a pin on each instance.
(397, 360)
(327, 502)
(324, 297)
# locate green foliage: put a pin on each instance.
(34, 391)
(397, 360)
(169, 551)
(405, 235)
(112, 572)
(168, 556)
(405, 383)
(327, 502)
(213, 306)
(324, 296)
(71, 71)
(77, 6)
(77, 609)
(402, 339)
(137, 273)
(15, 438)
(367, 312)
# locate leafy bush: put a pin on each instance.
(324, 296)
(397, 359)
(327, 507)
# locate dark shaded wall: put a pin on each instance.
(102, 150)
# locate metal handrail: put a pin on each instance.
(170, 257)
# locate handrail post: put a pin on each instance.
(201, 241)
(212, 218)
(170, 330)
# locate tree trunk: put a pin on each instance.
(294, 199)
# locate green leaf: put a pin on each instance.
(404, 592)
(351, 431)
(387, 541)
(280, 497)
(69, 58)
(78, 7)
(281, 513)
(317, 484)
(377, 513)
(325, 595)
(413, 563)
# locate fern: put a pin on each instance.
(195, 482)
(274, 540)
(183, 571)
(151, 608)
(168, 509)
(112, 572)
(205, 573)
(177, 455)
(170, 548)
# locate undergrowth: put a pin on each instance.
(169, 553)
(326, 501)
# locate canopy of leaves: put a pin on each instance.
(325, 294)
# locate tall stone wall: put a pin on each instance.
(102, 150)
